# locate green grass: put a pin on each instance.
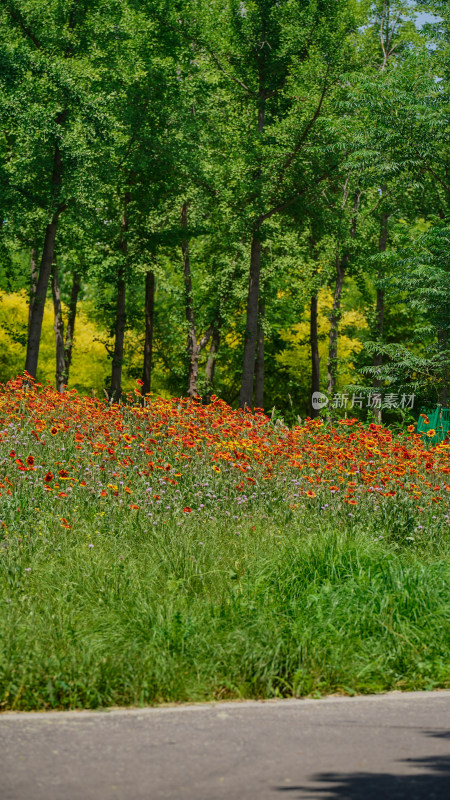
(189, 613)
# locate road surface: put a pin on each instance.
(385, 747)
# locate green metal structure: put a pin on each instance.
(438, 420)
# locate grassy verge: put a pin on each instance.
(129, 616)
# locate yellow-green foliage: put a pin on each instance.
(296, 358)
(90, 365)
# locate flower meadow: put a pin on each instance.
(167, 550)
(172, 458)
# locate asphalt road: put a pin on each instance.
(385, 747)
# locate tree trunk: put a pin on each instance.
(259, 376)
(211, 364)
(378, 357)
(341, 266)
(45, 268)
(149, 325)
(37, 310)
(251, 332)
(70, 331)
(193, 350)
(60, 376)
(119, 333)
(34, 272)
(251, 339)
(334, 324)
(315, 364)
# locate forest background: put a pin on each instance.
(241, 198)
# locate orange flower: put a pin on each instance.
(410, 428)
(310, 493)
(187, 510)
(103, 493)
(30, 461)
(63, 473)
(64, 523)
(133, 505)
(48, 477)
(53, 431)
(216, 469)
(431, 433)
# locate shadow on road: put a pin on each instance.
(432, 783)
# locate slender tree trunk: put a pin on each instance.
(193, 350)
(341, 266)
(34, 273)
(314, 341)
(211, 363)
(70, 330)
(119, 333)
(60, 376)
(251, 332)
(45, 269)
(37, 310)
(251, 325)
(149, 325)
(378, 357)
(259, 376)
(334, 324)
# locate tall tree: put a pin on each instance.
(276, 64)
(51, 112)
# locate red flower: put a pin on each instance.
(30, 461)
(187, 510)
(139, 382)
(48, 477)
(12, 454)
(53, 431)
